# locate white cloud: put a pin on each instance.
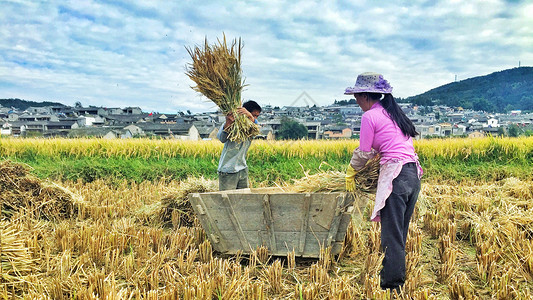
(133, 53)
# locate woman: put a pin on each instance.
(385, 129)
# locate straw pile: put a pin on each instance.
(216, 70)
(22, 192)
(176, 202)
(366, 180)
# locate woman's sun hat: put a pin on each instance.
(369, 82)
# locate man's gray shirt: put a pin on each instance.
(233, 157)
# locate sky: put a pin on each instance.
(133, 53)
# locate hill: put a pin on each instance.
(24, 104)
(497, 92)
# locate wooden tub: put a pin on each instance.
(242, 220)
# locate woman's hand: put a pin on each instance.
(350, 178)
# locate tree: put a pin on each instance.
(78, 104)
(338, 119)
(482, 104)
(291, 129)
(345, 102)
(513, 131)
(526, 103)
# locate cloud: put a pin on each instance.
(132, 53)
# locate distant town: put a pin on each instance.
(336, 121)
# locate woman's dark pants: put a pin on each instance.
(395, 217)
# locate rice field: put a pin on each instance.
(469, 239)
(452, 149)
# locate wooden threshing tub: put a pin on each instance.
(242, 220)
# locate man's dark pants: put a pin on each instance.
(395, 217)
(233, 181)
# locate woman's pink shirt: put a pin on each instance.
(379, 132)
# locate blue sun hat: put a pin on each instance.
(369, 82)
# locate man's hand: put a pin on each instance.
(350, 178)
(230, 118)
(244, 111)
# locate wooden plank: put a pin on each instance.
(269, 222)
(248, 208)
(305, 222)
(236, 225)
(210, 227)
(336, 220)
(322, 212)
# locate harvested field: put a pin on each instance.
(471, 240)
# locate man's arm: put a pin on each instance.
(222, 134)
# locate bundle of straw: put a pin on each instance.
(177, 200)
(366, 180)
(21, 191)
(216, 70)
(323, 182)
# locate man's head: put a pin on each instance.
(252, 107)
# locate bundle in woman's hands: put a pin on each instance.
(366, 180)
(216, 70)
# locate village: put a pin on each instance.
(322, 122)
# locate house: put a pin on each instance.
(61, 125)
(265, 133)
(46, 110)
(445, 129)
(49, 128)
(35, 127)
(37, 118)
(177, 131)
(430, 118)
(6, 129)
(476, 134)
(13, 117)
(350, 110)
(314, 130)
(13, 128)
(132, 111)
(206, 132)
(338, 132)
(458, 129)
(88, 120)
(134, 130)
(455, 117)
(96, 132)
(100, 111)
(162, 118)
(123, 120)
(118, 134)
(428, 130)
(492, 123)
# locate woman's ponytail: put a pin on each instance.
(396, 113)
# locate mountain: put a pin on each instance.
(497, 92)
(24, 104)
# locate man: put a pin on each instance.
(232, 168)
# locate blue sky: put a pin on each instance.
(132, 53)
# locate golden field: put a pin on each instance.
(157, 148)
